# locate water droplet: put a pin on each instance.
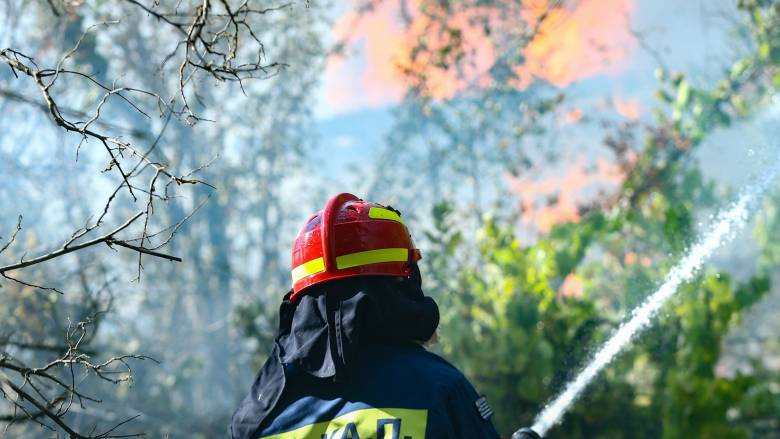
(751, 152)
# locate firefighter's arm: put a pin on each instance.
(469, 414)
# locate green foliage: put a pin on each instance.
(520, 318)
(508, 325)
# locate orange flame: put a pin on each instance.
(557, 199)
(627, 108)
(369, 77)
(444, 83)
(573, 116)
(572, 286)
(575, 41)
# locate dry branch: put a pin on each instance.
(53, 389)
(214, 36)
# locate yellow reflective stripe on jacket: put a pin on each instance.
(308, 268)
(365, 423)
(372, 257)
(381, 213)
(351, 260)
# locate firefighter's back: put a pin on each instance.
(394, 391)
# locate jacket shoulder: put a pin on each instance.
(409, 364)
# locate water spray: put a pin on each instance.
(723, 230)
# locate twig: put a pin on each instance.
(13, 236)
(68, 249)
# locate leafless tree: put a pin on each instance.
(41, 382)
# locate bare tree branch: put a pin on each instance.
(56, 402)
(67, 248)
(13, 236)
(213, 41)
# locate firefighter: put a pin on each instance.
(349, 360)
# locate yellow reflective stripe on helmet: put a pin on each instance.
(308, 268)
(381, 213)
(372, 257)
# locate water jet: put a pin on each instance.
(722, 230)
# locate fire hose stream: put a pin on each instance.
(723, 230)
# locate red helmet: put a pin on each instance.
(351, 237)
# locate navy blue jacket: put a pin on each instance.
(345, 364)
(395, 391)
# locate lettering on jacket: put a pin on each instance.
(374, 423)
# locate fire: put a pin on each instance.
(572, 286)
(575, 41)
(557, 199)
(573, 116)
(629, 109)
(367, 77)
(385, 55)
(445, 83)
